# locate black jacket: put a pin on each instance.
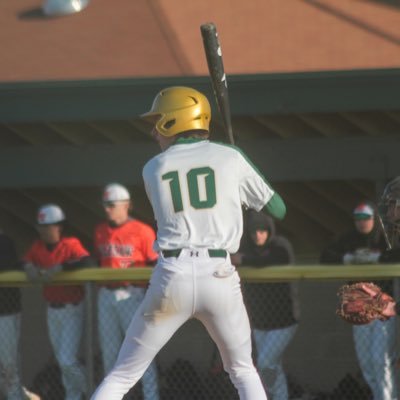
(10, 298)
(352, 240)
(269, 305)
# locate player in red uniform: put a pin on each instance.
(47, 256)
(122, 242)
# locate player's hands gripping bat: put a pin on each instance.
(218, 78)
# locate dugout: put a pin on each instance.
(325, 140)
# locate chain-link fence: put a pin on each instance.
(302, 349)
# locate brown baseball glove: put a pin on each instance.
(363, 302)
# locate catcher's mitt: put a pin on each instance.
(360, 303)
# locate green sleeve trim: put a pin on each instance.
(275, 207)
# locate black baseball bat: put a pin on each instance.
(215, 63)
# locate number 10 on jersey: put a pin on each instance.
(196, 179)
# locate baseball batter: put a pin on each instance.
(47, 256)
(196, 189)
(122, 242)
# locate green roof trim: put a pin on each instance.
(324, 91)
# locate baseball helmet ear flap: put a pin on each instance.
(178, 109)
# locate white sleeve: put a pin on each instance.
(255, 191)
(145, 173)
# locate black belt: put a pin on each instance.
(62, 305)
(213, 253)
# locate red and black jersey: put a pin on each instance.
(68, 249)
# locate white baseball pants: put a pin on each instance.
(193, 285)
(115, 311)
(65, 331)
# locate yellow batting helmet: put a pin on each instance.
(178, 109)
